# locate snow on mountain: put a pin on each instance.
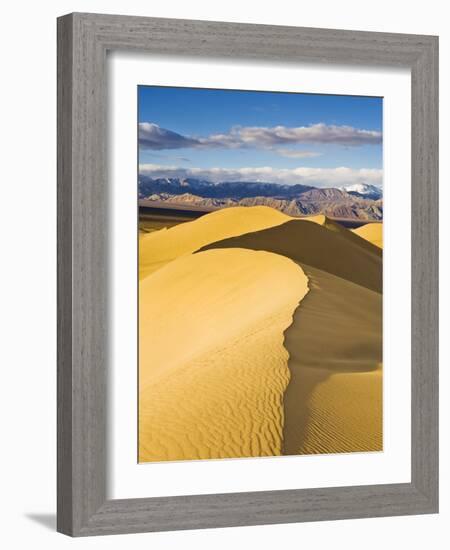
(364, 190)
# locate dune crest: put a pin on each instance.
(366, 243)
(160, 247)
(333, 402)
(231, 365)
(213, 366)
(320, 219)
(372, 232)
(334, 250)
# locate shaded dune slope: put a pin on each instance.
(213, 368)
(352, 235)
(160, 247)
(333, 402)
(335, 251)
(334, 399)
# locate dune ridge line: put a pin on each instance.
(333, 402)
(213, 365)
(160, 247)
(302, 378)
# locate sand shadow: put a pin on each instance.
(337, 327)
(329, 334)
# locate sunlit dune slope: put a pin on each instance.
(372, 232)
(333, 402)
(158, 248)
(213, 368)
(336, 251)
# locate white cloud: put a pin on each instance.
(317, 177)
(294, 154)
(152, 136)
(315, 133)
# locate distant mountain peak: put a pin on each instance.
(360, 201)
(364, 190)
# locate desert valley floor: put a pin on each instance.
(260, 334)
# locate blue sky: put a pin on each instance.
(270, 136)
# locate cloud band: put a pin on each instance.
(152, 136)
(317, 177)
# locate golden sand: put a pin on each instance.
(333, 402)
(336, 250)
(160, 247)
(238, 359)
(213, 368)
(372, 232)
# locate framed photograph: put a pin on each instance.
(247, 274)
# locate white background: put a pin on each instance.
(131, 480)
(28, 304)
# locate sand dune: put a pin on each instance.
(216, 380)
(333, 402)
(351, 235)
(336, 251)
(372, 232)
(213, 368)
(158, 248)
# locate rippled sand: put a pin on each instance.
(213, 368)
(333, 402)
(260, 335)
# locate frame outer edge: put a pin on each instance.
(64, 275)
(82, 278)
(90, 268)
(254, 41)
(425, 273)
(260, 508)
(82, 268)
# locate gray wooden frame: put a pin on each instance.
(83, 41)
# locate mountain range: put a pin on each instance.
(358, 201)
